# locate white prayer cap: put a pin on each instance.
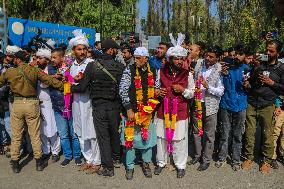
(12, 49)
(141, 51)
(79, 39)
(45, 53)
(177, 50)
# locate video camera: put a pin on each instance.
(38, 42)
(230, 62)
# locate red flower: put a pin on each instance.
(138, 84)
(128, 144)
(144, 133)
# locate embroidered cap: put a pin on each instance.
(79, 39)
(141, 51)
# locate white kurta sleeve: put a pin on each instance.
(189, 91)
(218, 90)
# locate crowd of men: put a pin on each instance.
(104, 104)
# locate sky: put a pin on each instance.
(143, 6)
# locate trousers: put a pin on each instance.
(28, 111)
(106, 122)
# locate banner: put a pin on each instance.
(153, 41)
(21, 31)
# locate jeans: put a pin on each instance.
(67, 135)
(4, 138)
(232, 124)
(7, 123)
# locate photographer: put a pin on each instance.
(264, 85)
(233, 109)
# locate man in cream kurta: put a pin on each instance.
(49, 137)
(82, 107)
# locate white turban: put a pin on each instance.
(141, 51)
(177, 50)
(45, 53)
(12, 49)
(51, 43)
(79, 39)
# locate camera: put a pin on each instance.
(264, 57)
(38, 42)
(230, 62)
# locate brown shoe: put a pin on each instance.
(247, 164)
(265, 168)
(84, 167)
(93, 169)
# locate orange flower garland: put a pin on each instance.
(144, 114)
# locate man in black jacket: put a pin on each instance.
(265, 83)
(103, 80)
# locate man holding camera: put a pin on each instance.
(265, 84)
(233, 109)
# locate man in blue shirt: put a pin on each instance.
(158, 60)
(233, 109)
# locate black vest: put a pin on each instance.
(102, 86)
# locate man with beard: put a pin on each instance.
(25, 108)
(137, 91)
(233, 109)
(177, 86)
(207, 98)
(158, 60)
(82, 107)
(102, 78)
(265, 84)
(49, 137)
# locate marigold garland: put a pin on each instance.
(198, 104)
(144, 114)
(170, 125)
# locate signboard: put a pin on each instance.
(153, 41)
(21, 31)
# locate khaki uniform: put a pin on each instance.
(279, 132)
(25, 108)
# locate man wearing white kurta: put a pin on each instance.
(49, 137)
(82, 108)
(177, 84)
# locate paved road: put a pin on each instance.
(54, 177)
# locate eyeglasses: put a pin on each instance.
(178, 58)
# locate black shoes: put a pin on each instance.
(55, 158)
(274, 164)
(65, 162)
(220, 163)
(129, 174)
(158, 170)
(106, 172)
(193, 161)
(203, 166)
(146, 170)
(15, 166)
(39, 164)
(78, 161)
(116, 163)
(180, 173)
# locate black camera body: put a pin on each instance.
(230, 62)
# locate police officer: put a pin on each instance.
(22, 80)
(103, 77)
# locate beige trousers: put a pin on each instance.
(279, 132)
(25, 110)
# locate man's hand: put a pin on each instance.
(246, 84)
(205, 84)
(130, 115)
(224, 69)
(77, 78)
(58, 76)
(178, 88)
(161, 92)
(266, 80)
(277, 111)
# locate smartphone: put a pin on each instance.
(264, 57)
